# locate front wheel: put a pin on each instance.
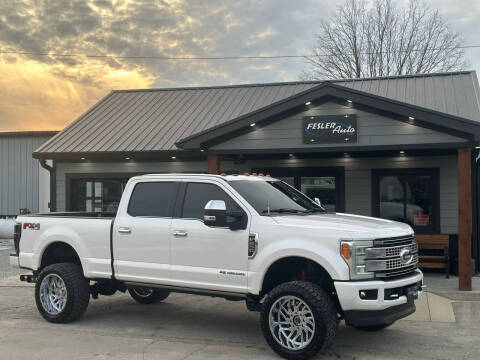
(298, 320)
(145, 295)
(62, 293)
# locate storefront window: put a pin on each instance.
(409, 196)
(96, 195)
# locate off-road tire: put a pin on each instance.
(78, 292)
(324, 313)
(155, 296)
(372, 328)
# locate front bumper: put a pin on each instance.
(348, 293)
(14, 262)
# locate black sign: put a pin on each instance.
(330, 129)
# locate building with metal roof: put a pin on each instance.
(402, 148)
(24, 184)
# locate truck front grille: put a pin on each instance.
(392, 257)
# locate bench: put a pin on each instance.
(434, 242)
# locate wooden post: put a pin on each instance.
(213, 164)
(465, 219)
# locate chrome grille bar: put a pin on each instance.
(385, 258)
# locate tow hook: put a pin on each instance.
(28, 278)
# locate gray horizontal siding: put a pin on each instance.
(357, 177)
(120, 167)
(372, 130)
(19, 173)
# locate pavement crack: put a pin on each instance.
(147, 346)
(195, 351)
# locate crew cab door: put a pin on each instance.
(202, 256)
(141, 233)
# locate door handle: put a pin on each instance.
(180, 233)
(124, 230)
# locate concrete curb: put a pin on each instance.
(458, 295)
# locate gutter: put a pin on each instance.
(52, 204)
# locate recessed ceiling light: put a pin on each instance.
(308, 103)
(174, 157)
(127, 158)
(201, 150)
(349, 101)
(411, 118)
(252, 124)
(82, 158)
(402, 152)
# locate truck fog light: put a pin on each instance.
(368, 294)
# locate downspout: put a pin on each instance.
(476, 207)
(52, 204)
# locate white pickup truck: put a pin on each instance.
(240, 237)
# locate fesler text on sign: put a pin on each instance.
(330, 129)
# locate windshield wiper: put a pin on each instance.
(283, 210)
(314, 210)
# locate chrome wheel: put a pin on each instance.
(143, 292)
(292, 323)
(53, 294)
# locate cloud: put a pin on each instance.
(163, 28)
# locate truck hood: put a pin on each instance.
(356, 225)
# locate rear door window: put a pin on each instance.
(155, 199)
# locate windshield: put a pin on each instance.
(275, 197)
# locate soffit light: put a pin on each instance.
(82, 158)
(477, 147)
(174, 157)
(308, 103)
(127, 158)
(252, 124)
(402, 152)
(349, 101)
(411, 118)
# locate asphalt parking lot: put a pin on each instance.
(195, 327)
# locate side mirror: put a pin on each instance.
(215, 213)
(317, 201)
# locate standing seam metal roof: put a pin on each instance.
(155, 119)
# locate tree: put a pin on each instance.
(375, 38)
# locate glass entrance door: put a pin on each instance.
(324, 183)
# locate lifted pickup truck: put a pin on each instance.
(239, 237)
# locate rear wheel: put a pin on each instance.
(145, 295)
(298, 320)
(62, 293)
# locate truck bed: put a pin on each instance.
(75, 214)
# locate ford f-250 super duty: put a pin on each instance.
(240, 237)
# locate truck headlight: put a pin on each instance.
(354, 252)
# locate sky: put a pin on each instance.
(47, 92)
